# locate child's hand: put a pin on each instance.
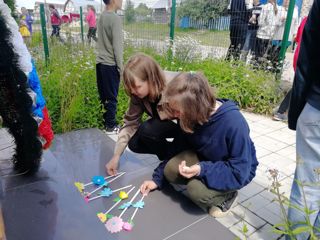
(112, 165)
(147, 186)
(189, 172)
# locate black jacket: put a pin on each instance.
(306, 85)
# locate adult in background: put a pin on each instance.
(239, 16)
(250, 42)
(281, 113)
(277, 39)
(268, 22)
(304, 117)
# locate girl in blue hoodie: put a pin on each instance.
(221, 157)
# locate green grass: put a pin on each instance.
(160, 32)
(69, 84)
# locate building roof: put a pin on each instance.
(161, 4)
(77, 3)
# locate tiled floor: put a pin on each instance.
(256, 208)
(275, 145)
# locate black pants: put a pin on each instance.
(151, 138)
(108, 80)
(92, 34)
(284, 105)
(55, 31)
(238, 33)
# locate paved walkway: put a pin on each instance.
(256, 208)
(275, 145)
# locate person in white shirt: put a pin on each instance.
(267, 26)
(278, 35)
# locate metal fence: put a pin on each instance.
(257, 32)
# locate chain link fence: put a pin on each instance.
(246, 30)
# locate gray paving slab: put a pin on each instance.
(48, 206)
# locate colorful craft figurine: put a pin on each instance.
(96, 180)
(127, 226)
(115, 224)
(107, 192)
(122, 195)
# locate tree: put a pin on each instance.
(143, 10)
(129, 14)
(202, 9)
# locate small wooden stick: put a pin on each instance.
(136, 210)
(118, 201)
(90, 183)
(119, 189)
(124, 210)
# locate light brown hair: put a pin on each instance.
(194, 97)
(146, 69)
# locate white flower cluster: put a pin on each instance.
(186, 49)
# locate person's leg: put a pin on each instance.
(197, 191)
(284, 105)
(108, 83)
(171, 170)
(94, 32)
(307, 171)
(54, 29)
(151, 138)
(111, 79)
(58, 31)
(89, 35)
(246, 46)
(240, 38)
(100, 84)
(253, 42)
(233, 42)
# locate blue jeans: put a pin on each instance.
(307, 170)
(250, 42)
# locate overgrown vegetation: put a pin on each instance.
(202, 9)
(69, 84)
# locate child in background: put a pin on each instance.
(26, 17)
(144, 82)
(221, 158)
(55, 21)
(109, 50)
(23, 29)
(91, 20)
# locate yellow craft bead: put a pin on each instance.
(79, 186)
(102, 217)
(123, 195)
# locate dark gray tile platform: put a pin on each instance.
(48, 206)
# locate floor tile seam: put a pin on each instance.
(242, 218)
(254, 213)
(186, 227)
(254, 194)
(277, 139)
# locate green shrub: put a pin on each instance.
(69, 84)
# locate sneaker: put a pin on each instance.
(113, 130)
(224, 208)
(280, 117)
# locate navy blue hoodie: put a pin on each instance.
(225, 150)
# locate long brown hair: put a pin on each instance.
(146, 69)
(194, 97)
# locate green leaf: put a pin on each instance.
(301, 229)
(277, 231)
